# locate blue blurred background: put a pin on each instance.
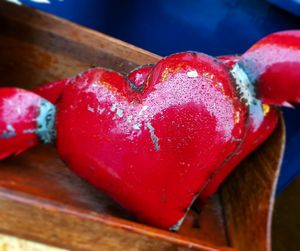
(215, 27)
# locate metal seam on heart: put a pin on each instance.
(176, 227)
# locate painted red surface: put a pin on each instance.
(259, 126)
(51, 91)
(273, 64)
(158, 138)
(139, 75)
(152, 150)
(18, 112)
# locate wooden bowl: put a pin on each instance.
(41, 200)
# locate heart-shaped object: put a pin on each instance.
(260, 125)
(163, 135)
(153, 149)
(178, 76)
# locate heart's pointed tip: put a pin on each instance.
(176, 227)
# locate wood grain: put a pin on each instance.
(41, 200)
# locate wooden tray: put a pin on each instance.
(41, 200)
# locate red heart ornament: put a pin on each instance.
(161, 136)
(259, 121)
(153, 150)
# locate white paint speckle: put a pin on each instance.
(192, 74)
(100, 110)
(144, 108)
(29, 131)
(90, 109)
(19, 112)
(10, 128)
(120, 112)
(113, 107)
(129, 118)
(138, 76)
(137, 126)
